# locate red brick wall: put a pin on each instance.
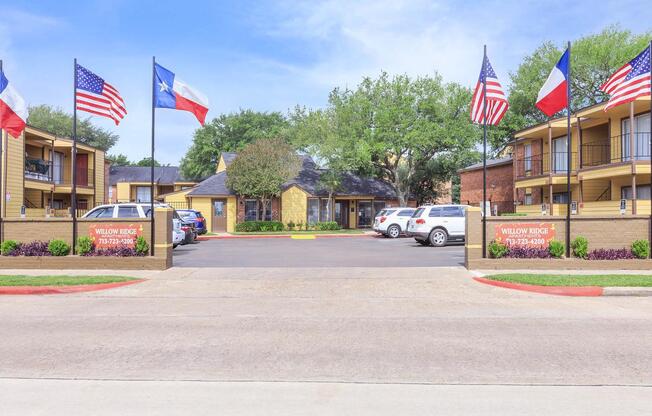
(500, 187)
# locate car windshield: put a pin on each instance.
(388, 211)
(188, 215)
(418, 212)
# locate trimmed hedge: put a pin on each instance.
(258, 226)
(327, 226)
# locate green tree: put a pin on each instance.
(228, 133)
(393, 125)
(119, 160)
(593, 59)
(147, 161)
(261, 168)
(59, 123)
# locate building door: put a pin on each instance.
(219, 216)
(57, 167)
(365, 215)
(560, 155)
(82, 169)
(342, 213)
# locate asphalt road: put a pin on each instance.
(477, 349)
(359, 251)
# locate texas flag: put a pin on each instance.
(553, 96)
(170, 92)
(13, 110)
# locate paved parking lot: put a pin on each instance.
(363, 251)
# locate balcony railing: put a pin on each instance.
(85, 177)
(532, 166)
(560, 162)
(616, 150)
(38, 169)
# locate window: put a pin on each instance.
(528, 157)
(128, 212)
(560, 198)
(268, 212)
(528, 199)
(560, 155)
(251, 210)
(641, 137)
(418, 212)
(110, 193)
(435, 212)
(642, 192)
(105, 212)
(452, 212)
(142, 193)
(379, 205)
(323, 210)
(313, 211)
(405, 213)
(82, 204)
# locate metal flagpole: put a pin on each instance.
(73, 193)
(151, 189)
(650, 140)
(484, 154)
(570, 155)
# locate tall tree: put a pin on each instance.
(228, 133)
(398, 123)
(147, 161)
(593, 59)
(261, 168)
(59, 123)
(119, 160)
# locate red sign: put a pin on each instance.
(114, 235)
(525, 234)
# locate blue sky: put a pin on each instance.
(272, 55)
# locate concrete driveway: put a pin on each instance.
(359, 251)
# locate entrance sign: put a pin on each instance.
(114, 235)
(533, 235)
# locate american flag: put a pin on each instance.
(497, 104)
(629, 82)
(96, 96)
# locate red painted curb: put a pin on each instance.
(548, 290)
(235, 237)
(57, 290)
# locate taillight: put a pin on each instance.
(420, 221)
(382, 219)
(185, 227)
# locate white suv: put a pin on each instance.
(391, 222)
(438, 224)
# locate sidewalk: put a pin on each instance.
(219, 236)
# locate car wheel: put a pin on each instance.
(438, 237)
(394, 231)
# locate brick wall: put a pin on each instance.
(500, 187)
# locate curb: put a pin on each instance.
(310, 236)
(591, 291)
(58, 290)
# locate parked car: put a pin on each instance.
(392, 222)
(192, 215)
(188, 227)
(178, 235)
(437, 225)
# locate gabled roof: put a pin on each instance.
(213, 186)
(163, 175)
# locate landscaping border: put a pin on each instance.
(84, 262)
(62, 289)
(582, 291)
(557, 264)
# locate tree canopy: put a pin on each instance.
(261, 168)
(123, 160)
(228, 133)
(594, 58)
(59, 123)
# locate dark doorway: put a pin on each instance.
(342, 213)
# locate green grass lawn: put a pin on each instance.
(63, 280)
(347, 231)
(603, 280)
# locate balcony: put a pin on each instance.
(616, 150)
(85, 177)
(38, 170)
(539, 165)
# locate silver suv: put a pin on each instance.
(437, 225)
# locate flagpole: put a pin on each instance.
(151, 189)
(73, 193)
(484, 154)
(570, 155)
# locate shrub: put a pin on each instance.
(254, 226)
(497, 250)
(528, 253)
(556, 248)
(58, 248)
(34, 248)
(8, 247)
(327, 226)
(122, 251)
(610, 254)
(291, 225)
(84, 246)
(580, 247)
(641, 249)
(142, 248)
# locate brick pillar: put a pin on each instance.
(163, 235)
(473, 243)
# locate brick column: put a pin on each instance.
(163, 234)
